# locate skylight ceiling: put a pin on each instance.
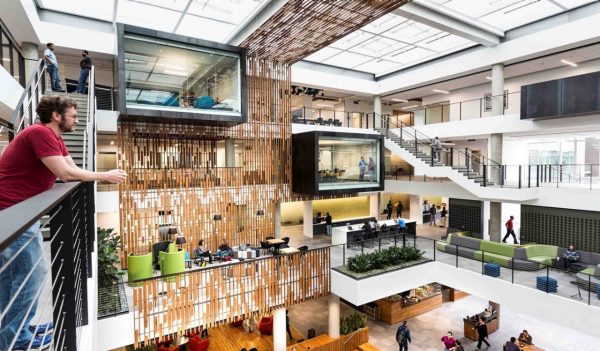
(389, 43)
(508, 14)
(215, 20)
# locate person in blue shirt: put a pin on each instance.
(403, 336)
(362, 167)
(52, 67)
(570, 256)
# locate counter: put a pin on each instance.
(493, 323)
(342, 234)
(393, 312)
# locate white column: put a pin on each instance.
(279, 334)
(415, 209)
(374, 205)
(277, 220)
(308, 219)
(497, 89)
(229, 152)
(31, 56)
(377, 110)
(334, 315)
(486, 221)
(495, 221)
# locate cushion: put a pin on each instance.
(495, 258)
(541, 259)
(520, 253)
(548, 251)
(497, 248)
(584, 257)
(594, 259)
(466, 242)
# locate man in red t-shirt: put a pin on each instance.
(29, 166)
(509, 230)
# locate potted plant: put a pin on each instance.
(109, 296)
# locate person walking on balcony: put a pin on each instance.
(362, 167)
(86, 65)
(437, 147)
(29, 166)
(509, 230)
(403, 336)
(52, 67)
(328, 223)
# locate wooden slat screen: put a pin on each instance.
(168, 306)
(302, 27)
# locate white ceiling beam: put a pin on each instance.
(268, 9)
(448, 21)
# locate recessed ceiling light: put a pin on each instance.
(568, 63)
(324, 105)
(176, 73)
(400, 100)
(407, 107)
(441, 91)
(5, 59)
(488, 77)
(112, 142)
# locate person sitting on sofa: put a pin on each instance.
(224, 250)
(525, 337)
(201, 251)
(570, 256)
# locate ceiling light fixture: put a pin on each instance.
(325, 105)
(488, 77)
(573, 64)
(176, 73)
(112, 142)
(399, 100)
(407, 107)
(441, 91)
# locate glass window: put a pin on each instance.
(5, 53)
(346, 163)
(174, 76)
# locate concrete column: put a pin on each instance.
(229, 152)
(334, 315)
(279, 334)
(374, 205)
(377, 110)
(277, 220)
(495, 221)
(31, 56)
(415, 212)
(308, 219)
(497, 89)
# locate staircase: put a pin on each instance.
(472, 172)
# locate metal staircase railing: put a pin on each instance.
(24, 114)
(89, 136)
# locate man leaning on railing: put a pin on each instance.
(29, 166)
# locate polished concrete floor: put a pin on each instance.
(427, 329)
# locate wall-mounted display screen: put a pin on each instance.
(179, 76)
(332, 162)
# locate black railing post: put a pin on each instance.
(467, 161)
(512, 271)
(379, 244)
(432, 156)
(547, 278)
(416, 148)
(591, 174)
(63, 273)
(456, 256)
(589, 289)
(519, 176)
(529, 176)
(344, 254)
(537, 175)
(404, 240)
(482, 262)
(434, 248)
(484, 175)
(452, 156)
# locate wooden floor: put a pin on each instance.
(228, 338)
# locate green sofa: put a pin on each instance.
(171, 263)
(494, 252)
(542, 254)
(139, 267)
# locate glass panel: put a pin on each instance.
(219, 31)
(347, 59)
(5, 53)
(148, 16)
(15, 61)
(90, 8)
(174, 76)
(346, 163)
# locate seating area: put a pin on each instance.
(530, 257)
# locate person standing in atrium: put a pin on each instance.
(371, 167)
(433, 213)
(29, 166)
(389, 207)
(328, 223)
(86, 65)
(52, 67)
(509, 230)
(482, 333)
(403, 336)
(399, 209)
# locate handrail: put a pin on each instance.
(25, 109)
(16, 219)
(352, 335)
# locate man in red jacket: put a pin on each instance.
(509, 230)
(29, 166)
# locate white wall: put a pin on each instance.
(10, 93)
(106, 121)
(507, 211)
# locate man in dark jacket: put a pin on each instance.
(328, 223)
(389, 208)
(482, 333)
(86, 65)
(403, 336)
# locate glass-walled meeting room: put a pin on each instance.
(346, 163)
(172, 75)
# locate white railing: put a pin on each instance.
(90, 131)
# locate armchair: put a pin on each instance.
(265, 326)
(138, 267)
(172, 262)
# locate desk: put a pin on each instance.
(343, 235)
(288, 250)
(312, 344)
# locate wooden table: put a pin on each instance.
(288, 250)
(530, 348)
(312, 344)
(275, 241)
